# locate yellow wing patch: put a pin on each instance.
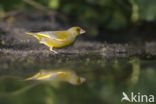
(42, 35)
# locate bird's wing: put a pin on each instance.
(62, 34)
(47, 34)
(58, 35)
(39, 35)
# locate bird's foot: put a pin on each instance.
(51, 49)
(54, 52)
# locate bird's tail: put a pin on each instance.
(34, 35)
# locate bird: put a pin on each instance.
(66, 75)
(58, 39)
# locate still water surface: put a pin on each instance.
(81, 79)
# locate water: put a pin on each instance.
(106, 80)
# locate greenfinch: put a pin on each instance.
(58, 39)
(58, 75)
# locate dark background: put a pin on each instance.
(114, 21)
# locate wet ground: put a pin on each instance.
(109, 69)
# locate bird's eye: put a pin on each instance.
(78, 30)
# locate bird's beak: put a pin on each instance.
(82, 31)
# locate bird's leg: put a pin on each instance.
(41, 42)
(51, 49)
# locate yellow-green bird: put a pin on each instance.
(58, 39)
(58, 75)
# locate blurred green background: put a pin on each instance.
(111, 20)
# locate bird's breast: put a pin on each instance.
(58, 43)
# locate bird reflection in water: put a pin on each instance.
(58, 75)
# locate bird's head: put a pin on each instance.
(77, 30)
